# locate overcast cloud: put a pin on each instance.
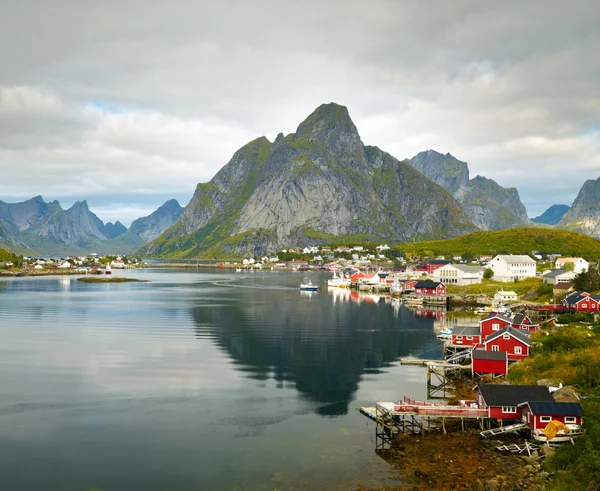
(131, 103)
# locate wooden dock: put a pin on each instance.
(420, 362)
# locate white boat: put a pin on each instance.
(238, 270)
(395, 288)
(108, 270)
(445, 333)
(308, 287)
(561, 436)
(338, 281)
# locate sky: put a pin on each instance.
(130, 103)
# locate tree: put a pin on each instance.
(467, 257)
(569, 266)
(488, 273)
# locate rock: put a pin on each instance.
(584, 215)
(307, 187)
(150, 227)
(490, 485)
(477, 485)
(544, 475)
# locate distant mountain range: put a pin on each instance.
(35, 226)
(320, 184)
(552, 215)
(487, 204)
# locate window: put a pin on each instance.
(584, 305)
(469, 338)
(545, 419)
(495, 327)
(506, 336)
(570, 419)
(495, 348)
(518, 350)
(458, 337)
(509, 409)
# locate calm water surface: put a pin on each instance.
(206, 380)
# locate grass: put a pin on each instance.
(510, 241)
(570, 355)
(112, 279)
(527, 286)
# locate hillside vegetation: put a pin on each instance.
(7, 256)
(570, 355)
(510, 241)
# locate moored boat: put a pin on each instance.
(561, 436)
(309, 287)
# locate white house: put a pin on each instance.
(459, 274)
(65, 265)
(118, 263)
(557, 276)
(510, 267)
(382, 247)
(504, 296)
(579, 263)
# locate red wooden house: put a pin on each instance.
(493, 323)
(582, 302)
(430, 288)
(537, 415)
(466, 336)
(515, 342)
(502, 401)
(521, 321)
(409, 285)
(432, 264)
(356, 276)
(492, 362)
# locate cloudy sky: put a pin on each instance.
(131, 103)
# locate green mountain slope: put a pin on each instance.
(512, 241)
(318, 182)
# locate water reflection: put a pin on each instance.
(320, 344)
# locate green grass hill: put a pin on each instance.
(510, 241)
(7, 256)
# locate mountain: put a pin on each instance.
(115, 229)
(552, 215)
(584, 215)
(316, 185)
(487, 204)
(150, 227)
(35, 227)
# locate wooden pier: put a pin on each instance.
(416, 417)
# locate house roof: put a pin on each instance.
(509, 293)
(439, 261)
(557, 272)
(516, 333)
(515, 259)
(466, 331)
(563, 260)
(465, 268)
(481, 354)
(519, 319)
(428, 284)
(577, 297)
(563, 285)
(493, 315)
(555, 408)
(513, 395)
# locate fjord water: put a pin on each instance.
(198, 380)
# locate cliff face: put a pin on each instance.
(487, 204)
(584, 215)
(151, 226)
(34, 226)
(552, 215)
(314, 185)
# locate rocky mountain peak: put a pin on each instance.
(584, 215)
(330, 125)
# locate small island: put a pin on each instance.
(112, 279)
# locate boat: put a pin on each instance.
(395, 288)
(107, 270)
(560, 437)
(338, 281)
(238, 270)
(410, 300)
(445, 333)
(308, 287)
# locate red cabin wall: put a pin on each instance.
(508, 345)
(466, 342)
(496, 367)
(486, 326)
(496, 413)
(537, 420)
